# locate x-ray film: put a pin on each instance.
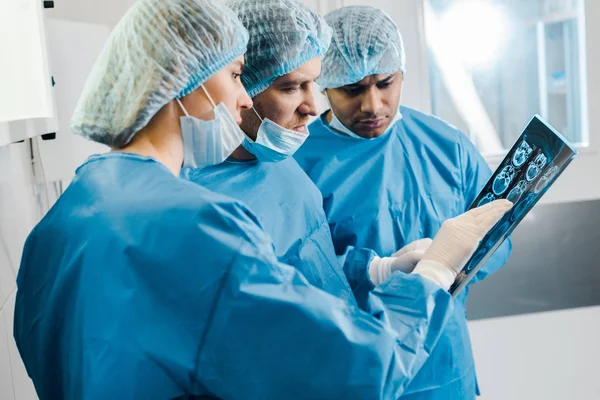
(532, 165)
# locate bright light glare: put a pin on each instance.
(477, 30)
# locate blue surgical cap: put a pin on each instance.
(160, 50)
(365, 42)
(284, 34)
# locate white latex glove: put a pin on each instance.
(404, 260)
(456, 242)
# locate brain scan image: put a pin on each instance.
(515, 194)
(522, 154)
(522, 206)
(536, 166)
(478, 256)
(531, 166)
(488, 198)
(498, 231)
(546, 178)
(504, 179)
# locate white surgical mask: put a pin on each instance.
(273, 142)
(207, 143)
(340, 127)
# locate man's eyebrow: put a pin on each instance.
(386, 80)
(355, 86)
(297, 81)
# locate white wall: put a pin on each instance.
(18, 214)
(74, 48)
(549, 356)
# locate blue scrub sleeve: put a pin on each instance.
(274, 336)
(355, 263)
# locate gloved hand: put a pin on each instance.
(403, 260)
(456, 242)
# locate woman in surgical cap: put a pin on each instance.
(140, 285)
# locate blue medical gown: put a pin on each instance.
(384, 193)
(140, 285)
(289, 207)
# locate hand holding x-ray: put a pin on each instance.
(457, 240)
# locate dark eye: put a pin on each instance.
(384, 85)
(290, 90)
(236, 76)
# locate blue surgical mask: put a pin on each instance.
(273, 142)
(340, 127)
(207, 143)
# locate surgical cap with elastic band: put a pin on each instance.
(284, 35)
(160, 50)
(366, 41)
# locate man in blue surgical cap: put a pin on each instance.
(390, 175)
(287, 42)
